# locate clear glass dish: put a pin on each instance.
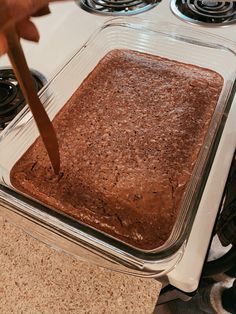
(166, 40)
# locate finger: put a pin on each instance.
(44, 11)
(3, 44)
(27, 30)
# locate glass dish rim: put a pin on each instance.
(150, 254)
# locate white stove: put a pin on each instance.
(67, 29)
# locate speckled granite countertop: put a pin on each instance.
(36, 279)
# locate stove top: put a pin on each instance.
(205, 12)
(69, 27)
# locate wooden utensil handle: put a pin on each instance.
(28, 87)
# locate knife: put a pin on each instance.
(27, 84)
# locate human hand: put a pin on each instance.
(18, 13)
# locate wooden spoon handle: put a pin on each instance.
(28, 87)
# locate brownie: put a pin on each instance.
(129, 138)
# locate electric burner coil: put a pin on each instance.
(11, 98)
(117, 7)
(205, 12)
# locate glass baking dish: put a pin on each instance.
(166, 40)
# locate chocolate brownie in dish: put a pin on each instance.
(129, 138)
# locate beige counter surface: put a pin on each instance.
(37, 279)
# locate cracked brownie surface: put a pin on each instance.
(129, 138)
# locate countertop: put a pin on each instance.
(37, 279)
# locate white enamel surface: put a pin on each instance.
(62, 33)
(68, 27)
(187, 273)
